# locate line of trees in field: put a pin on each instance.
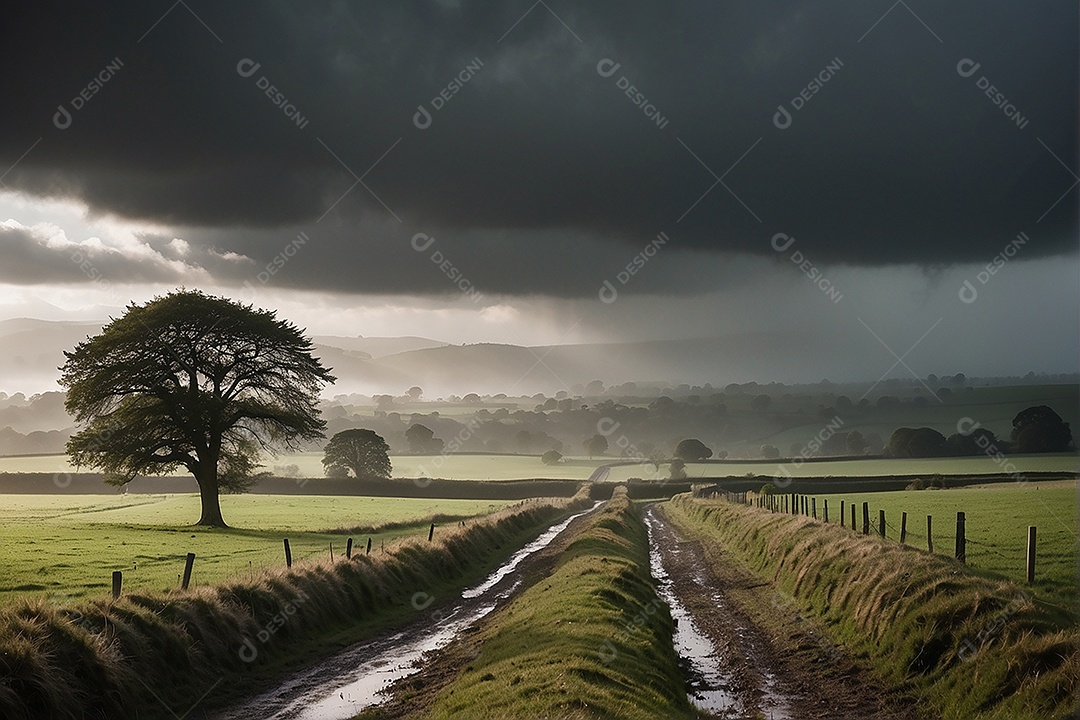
(1038, 429)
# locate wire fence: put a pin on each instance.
(953, 539)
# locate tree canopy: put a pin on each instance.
(916, 442)
(422, 440)
(596, 445)
(692, 449)
(364, 453)
(1040, 429)
(195, 381)
(551, 457)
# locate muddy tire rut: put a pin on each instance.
(774, 663)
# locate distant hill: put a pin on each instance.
(492, 368)
(31, 351)
(377, 347)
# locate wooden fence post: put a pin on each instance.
(1031, 555)
(961, 541)
(348, 550)
(881, 522)
(903, 528)
(826, 509)
(288, 554)
(853, 526)
(930, 533)
(431, 532)
(813, 508)
(368, 552)
(188, 563)
(841, 513)
(117, 583)
(866, 518)
(331, 552)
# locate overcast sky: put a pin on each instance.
(489, 171)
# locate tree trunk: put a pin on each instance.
(211, 505)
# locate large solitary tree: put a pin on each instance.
(195, 381)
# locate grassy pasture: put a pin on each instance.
(524, 467)
(997, 518)
(451, 467)
(876, 467)
(66, 546)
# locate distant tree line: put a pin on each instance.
(1037, 429)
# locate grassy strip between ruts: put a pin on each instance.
(154, 654)
(591, 640)
(967, 646)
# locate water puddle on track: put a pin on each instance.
(710, 686)
(327, 692)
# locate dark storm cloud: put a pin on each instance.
(540, 174)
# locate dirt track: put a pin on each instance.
(775, 664)
(779, 665)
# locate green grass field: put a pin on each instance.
(66, 546)
(451, 467)
(877, 467)
(997, 518)
(524, 467)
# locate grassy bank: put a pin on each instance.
(590, 640)
(967, 646)
(154, 654)
(997, 517)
